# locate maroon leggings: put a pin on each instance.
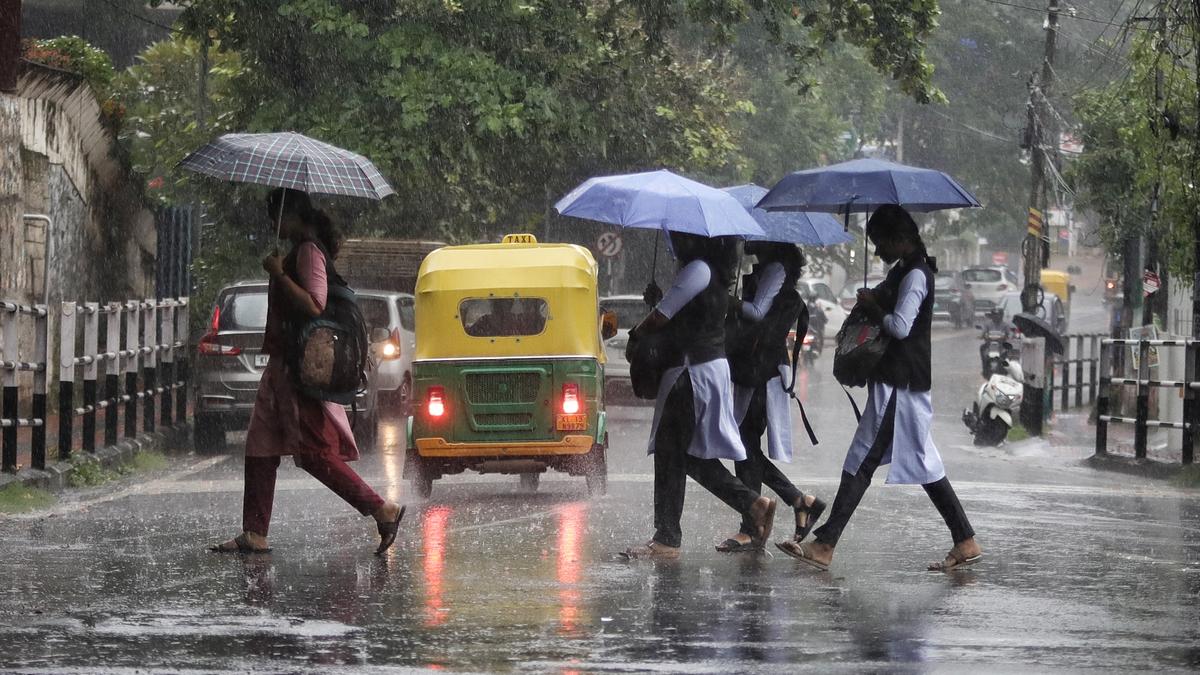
(330, 469)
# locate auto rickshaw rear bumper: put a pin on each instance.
(569, 445)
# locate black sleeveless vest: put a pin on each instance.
(908, 362)
(698, 330)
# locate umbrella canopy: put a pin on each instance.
(790, 227)
(659, 200)
(865, 184)
(289, 160)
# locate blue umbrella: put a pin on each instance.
(659, 200)
(864, 185)
(790, 227)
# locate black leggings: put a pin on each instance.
(853, 487)
(673, 465)
(758, 469)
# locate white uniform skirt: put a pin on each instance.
(779, 414)
(716, 435)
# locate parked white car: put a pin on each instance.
(989, 285)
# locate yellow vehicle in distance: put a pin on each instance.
(508, 372)
(1058, 283)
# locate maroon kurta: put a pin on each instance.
(285, 422)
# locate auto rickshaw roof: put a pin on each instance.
(508, 266)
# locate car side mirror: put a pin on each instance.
(378, 334)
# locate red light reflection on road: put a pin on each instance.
(572, 522)
(433, 534)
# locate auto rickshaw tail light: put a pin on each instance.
(570, 398)
(437, 401)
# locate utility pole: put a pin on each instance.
(1040, 135)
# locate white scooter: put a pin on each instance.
(991, 416)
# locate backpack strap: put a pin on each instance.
(857, 412)
(801, 324)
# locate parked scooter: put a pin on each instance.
(991, 415)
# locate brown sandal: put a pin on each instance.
(957, 560)
(801, 552)
(238, 544)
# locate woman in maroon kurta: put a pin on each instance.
(316, 433)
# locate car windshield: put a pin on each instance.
(407, 314)
(943, 282)
(982, 275)
(629, 312)
(375, 313)
(244, 310)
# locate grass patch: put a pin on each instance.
(18, 498)
(147, 461)
(91, 474)
(1188, 476)
(1017, 433)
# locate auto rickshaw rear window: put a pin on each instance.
(503, 317)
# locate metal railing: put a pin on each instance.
(145, 340)
(1076, 370)
(1143, 383)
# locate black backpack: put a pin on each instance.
(327, 356)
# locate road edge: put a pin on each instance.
(172, 440)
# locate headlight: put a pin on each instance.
(1003, 399)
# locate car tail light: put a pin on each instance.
(570, 398)
(436, 401)
(1110, 285)
(1002, 287)
(210, 346)
(808, 339)
(391, 348)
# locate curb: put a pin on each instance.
(1145, 468)
(56, 476)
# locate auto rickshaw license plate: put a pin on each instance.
(577, 422)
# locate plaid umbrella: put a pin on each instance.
(289, 160)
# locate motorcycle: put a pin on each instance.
(814, 340)
(991, 415)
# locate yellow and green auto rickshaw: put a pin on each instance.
(508, 372)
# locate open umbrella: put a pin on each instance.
(790, 227)
(863, 185)
(288, 160)
(659, 200)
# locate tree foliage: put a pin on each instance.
(1133, 141)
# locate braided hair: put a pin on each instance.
(894, 222)
(298, 203)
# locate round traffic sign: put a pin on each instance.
(609, 244)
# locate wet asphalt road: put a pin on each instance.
(1083, 570)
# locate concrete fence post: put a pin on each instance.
(9, 410)
(91, 370)
(150, 362)
(41, 351)
(112, 371)
(66, 378)
(132, 320)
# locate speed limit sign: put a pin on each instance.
(609, 244)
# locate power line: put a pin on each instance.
(125, 10)
(1066, 15)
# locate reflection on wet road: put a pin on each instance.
(1083, 571)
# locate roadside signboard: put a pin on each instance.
(609, 244)
(1000, 258)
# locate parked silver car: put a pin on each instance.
(989, 285)
(229, 364)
